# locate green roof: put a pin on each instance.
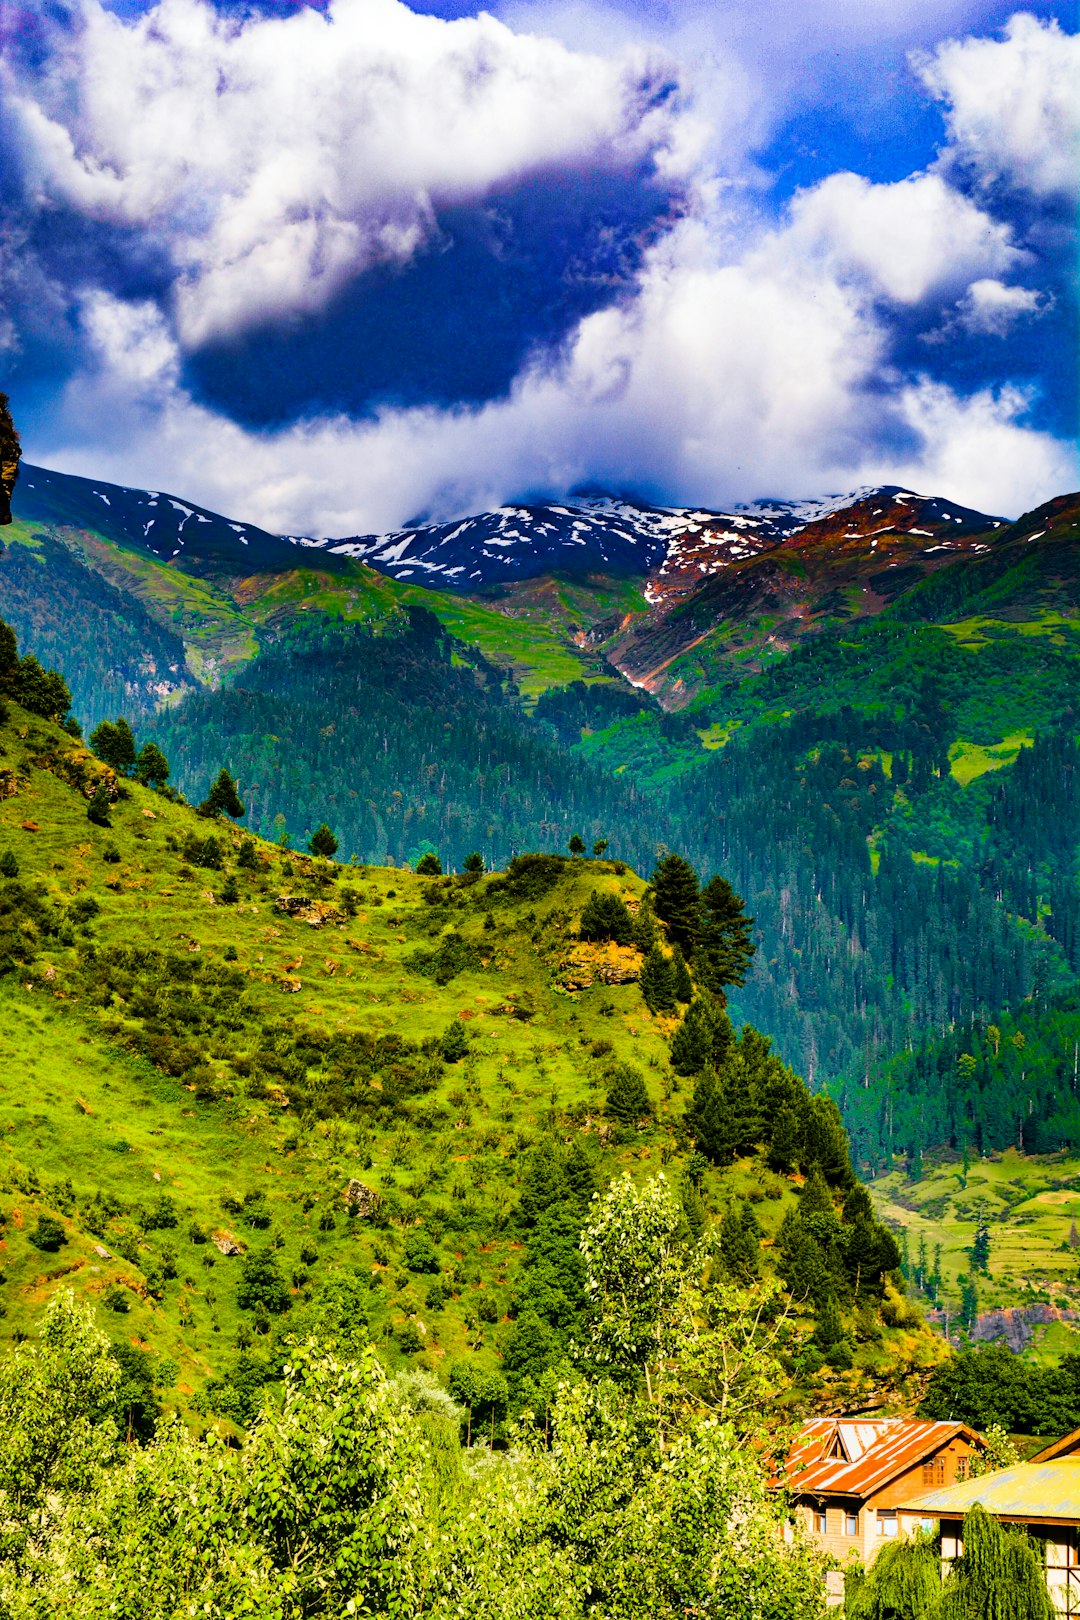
(1049, 1490)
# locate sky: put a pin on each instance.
(338, 268)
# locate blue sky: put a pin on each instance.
(332, 269)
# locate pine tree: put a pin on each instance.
(708, 1119)
(829, 1328)
(323, 842)
(676, 901)
(692, 1042)
(657, 981)
(737, 1244)
(727, 943)
(222, 798)
(627, 1099)
(114, 745)
(576, 845)
(454, 1045)
(683, 984)
(9, 864)
(604, 916)
(151, 766)
(474, 862)
(429, 865)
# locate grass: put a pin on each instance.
(82, 1113)
(1029, 1203)
(969, 760)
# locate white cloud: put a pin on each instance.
(990, 308)
(910, 239)
(717, 383)
(282, 156)
(976, 450)
(1013, 105)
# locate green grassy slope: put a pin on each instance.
(175, 1069)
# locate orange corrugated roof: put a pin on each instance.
(1067, 1446)
(835, 1457)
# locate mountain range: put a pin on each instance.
(833, 702)
(666, 597)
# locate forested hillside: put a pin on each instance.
(456, 1201)
(875, 738)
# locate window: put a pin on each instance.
(851, 1523)
(961, 1468)
(886, 1522)
(933, 1471)
(821, 1523)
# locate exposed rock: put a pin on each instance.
(604, 964)
(361, 1198)
(102, 1252)
(301, 908)
(225, 1243)
(9, 784)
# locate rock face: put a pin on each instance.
(1014, 1326)
(361, 1198)
(10, 452)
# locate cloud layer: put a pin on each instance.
(232, 179)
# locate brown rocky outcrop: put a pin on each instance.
(10, 453)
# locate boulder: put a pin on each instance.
(361, 1198)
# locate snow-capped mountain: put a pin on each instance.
(675, 551)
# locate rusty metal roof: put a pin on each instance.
(839, 1457)
(1058, 1448)
(1030, 1491)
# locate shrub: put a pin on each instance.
(97, 811)
(261, 1283)
(9, 864)
(409, 1338)
(455, 1043)
(48, 1235)
(420, 1252)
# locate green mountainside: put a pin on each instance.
(246, 1092)
(873, 737)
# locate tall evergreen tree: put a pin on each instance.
(222, 798)
(657, 981)
(677, 902)
(726, 944)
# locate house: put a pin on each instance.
(1042, 1495)
(1067, 1446)
(848, 1476)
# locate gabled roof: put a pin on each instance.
(839, 1457)
(1028, 1492)
(1065, 1447)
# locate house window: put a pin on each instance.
(821, 1523)
(961, 1468)
(933, 1471)
(886, 1522)
(851, 1523)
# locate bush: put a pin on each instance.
(261, 1283)
(48, 1235)
(409, 1338)
(97, 811)
(420, 1252)
(9, 865)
